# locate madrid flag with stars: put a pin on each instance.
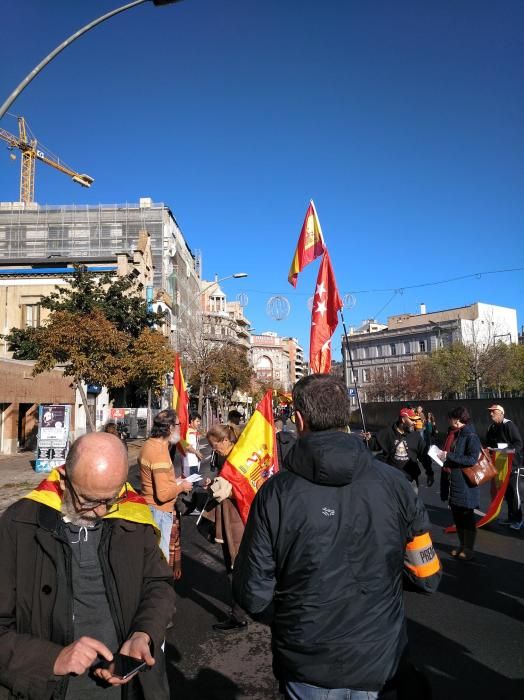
(324, 318)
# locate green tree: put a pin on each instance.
(453, 369)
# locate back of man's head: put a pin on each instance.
(234, 417)
(323, 402)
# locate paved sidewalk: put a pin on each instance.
(17, 475)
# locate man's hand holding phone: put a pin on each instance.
(135, 649)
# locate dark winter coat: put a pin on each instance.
(325, 543)
(384, 442)
(464, 452)
(506, 432)
(36, 603)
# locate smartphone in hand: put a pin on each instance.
(124, 667)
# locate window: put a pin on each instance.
(379, 351)
(365, 375)
(422, 345)
(393, 349)
(354, 377)
(30, 315)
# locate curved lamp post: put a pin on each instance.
(25, 82)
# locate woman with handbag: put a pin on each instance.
(461, 449)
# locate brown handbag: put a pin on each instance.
(481, 472)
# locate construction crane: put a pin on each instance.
(30, 154)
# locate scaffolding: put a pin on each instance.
(91, 231)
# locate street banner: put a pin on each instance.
(53, 436)
(181, 403)
(310, 244)
(324, 318)
(503, 460)
(254, 458)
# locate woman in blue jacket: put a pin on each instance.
(462, 449)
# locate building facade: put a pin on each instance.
(23, 283)
(296, 360)
(378, 348)
(270, 360)
(88, 232)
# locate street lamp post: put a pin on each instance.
(25, 82)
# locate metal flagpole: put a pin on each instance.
(353, 376)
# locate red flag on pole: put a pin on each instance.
(180, 403)
(254, 457)
(310, 244)
(324, 318)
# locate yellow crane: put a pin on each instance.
(30, 154)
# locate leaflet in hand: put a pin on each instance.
(192, 478)
(436, 455)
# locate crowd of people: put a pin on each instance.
(331, 541)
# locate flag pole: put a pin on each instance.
(353, 376)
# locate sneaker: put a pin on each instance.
(196, 512)
(516, 526)
(504, 522)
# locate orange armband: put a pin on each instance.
(421, 558)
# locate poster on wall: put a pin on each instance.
(53, 436)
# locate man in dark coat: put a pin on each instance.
(403, 447)
(503, 431)
(325, 544)
(82, 577)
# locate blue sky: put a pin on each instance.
(402, 120)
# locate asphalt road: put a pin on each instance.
(468, 637)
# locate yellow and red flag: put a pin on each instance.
(133, 508)
(324, 318)
(498, 486)
(181, 403)
(254, 458)
(310, 244)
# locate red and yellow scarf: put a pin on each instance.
(134, 509)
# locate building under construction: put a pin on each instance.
(35, 231)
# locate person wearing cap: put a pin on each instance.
(401, 446)
(503, 431)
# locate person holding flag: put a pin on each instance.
(250, 460)
(328, 543)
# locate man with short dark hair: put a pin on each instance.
(81, 577)
(234, 417)
(503, 431)
(403, 447)
(325, 543)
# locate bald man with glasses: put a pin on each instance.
(82, 577)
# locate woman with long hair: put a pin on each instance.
(461, 449)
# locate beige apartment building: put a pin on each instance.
(23, 282)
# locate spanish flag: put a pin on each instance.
(254, 458)
(180, 403)
(133, 509)
(310, 244)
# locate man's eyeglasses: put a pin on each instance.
(82, 505)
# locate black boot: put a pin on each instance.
(469, 544)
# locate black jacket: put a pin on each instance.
(36, 603)
(506, 432)
(325, 544)
(384, 442)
